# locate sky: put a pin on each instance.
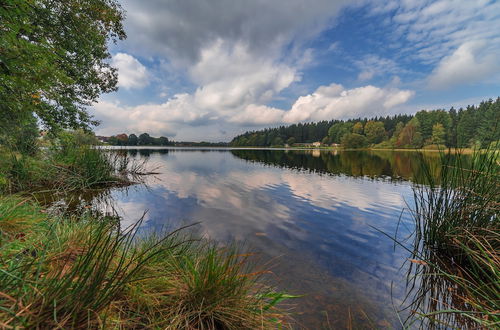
(207, 70)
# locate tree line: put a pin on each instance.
(473, 126)
(145, 139)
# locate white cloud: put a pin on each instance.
(326, 103)
(335, 102)
(374, 65)
(466, 64)
(366, 75)
(131, 73)
(446, 35)
(230, 77)
(258, 115)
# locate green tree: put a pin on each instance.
(278, 141)
(21, 138)
(54, 59)
(397, 131)
(163, 141)
(375, 131)
(132, 140)
(145, 140)
(358, 128)
(338, 130)
(290, 141)
(354, 141)
(438, 134)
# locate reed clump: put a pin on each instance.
(65, 166)
(86, 272)
(457, 240)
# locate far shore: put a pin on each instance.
(453, 150)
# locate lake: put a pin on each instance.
(319, 220)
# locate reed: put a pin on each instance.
(457, 240)
(68, 168)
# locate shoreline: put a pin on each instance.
(454, 150)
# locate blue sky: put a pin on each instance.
(208, 70)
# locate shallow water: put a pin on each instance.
(319, 219)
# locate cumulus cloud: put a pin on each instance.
(334, 101)
(181, 29)
(466, 64)
(231, 78)
(131, 73)
(326, 103)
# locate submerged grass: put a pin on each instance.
(457, 240)
(85, 272)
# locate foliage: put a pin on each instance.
(132, 140)
(86, 273)
(354, 141)
(438, 134)
(473, 126)
(374, 131)
(410, 136)
(358, 128)
(21, 138)
(69, 164)
(54, 59)
(457, 240)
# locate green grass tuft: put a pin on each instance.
(86, 272)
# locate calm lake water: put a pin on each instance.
(317, 217)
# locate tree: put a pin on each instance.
(354, 141)
(278, 141)
(145, 139)
(438, 134)
(21, 138)
(163, 141)
(397, 131)
(54, 59)
(290, 141)
(338, 130)
(410, 135)
(122, 139)
(375, 131)
(358, 128)
(132, 140)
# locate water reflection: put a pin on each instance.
(400, 165)
(315, 216)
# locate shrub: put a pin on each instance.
(354, 141)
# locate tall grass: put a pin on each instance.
(87, 273)
(457, 240)
(67, 168)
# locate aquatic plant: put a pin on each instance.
(457, 240)
(68, 168)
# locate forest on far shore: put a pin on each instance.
(474, 126)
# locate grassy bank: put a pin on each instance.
(84, 272)
(457, 242)
(65, 167)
